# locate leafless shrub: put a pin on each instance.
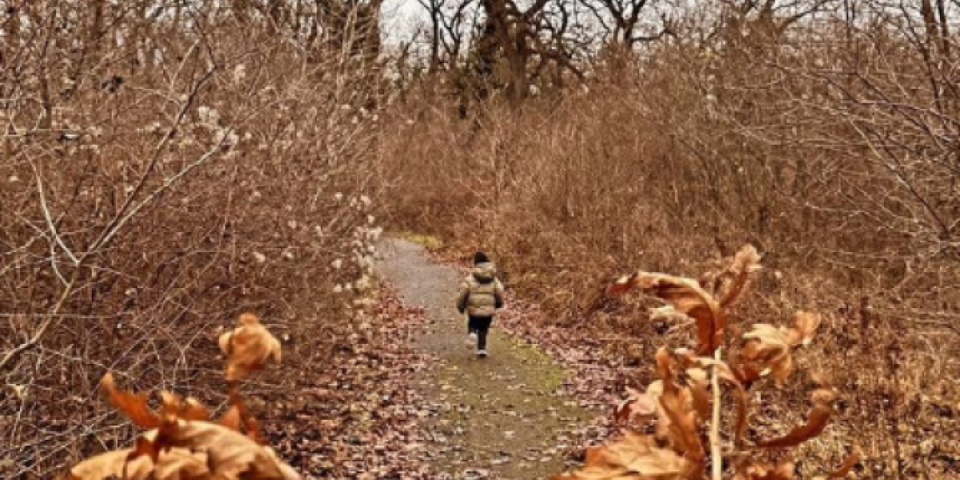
(163, 167)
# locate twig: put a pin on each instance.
(15, 353)
(49, 218)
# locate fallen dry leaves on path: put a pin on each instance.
(355, 414)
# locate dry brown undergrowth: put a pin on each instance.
(165, 166)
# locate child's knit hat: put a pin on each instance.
(479, 258)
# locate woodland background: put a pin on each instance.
(167, 164)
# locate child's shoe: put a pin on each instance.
(481, 353)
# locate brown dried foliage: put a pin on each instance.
(248, 347)
(688, 297)
(183, 442)
(682, 400)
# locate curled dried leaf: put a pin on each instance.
(687, 297)
(678, 424)
(844, 469)
(131, 405)
(745, 262)
(804, 326)
(817, 419)
(677, 413)
(248, 347)
(766, 347)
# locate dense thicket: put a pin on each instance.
(164, 166)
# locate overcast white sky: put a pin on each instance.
(400, 20)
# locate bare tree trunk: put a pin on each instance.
(944, 28)
(434, 7)
(11, 30)
(510, 37)
(95, 34)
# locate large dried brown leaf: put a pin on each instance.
(111, 465)
(188, 450)
(817, 420)
(248, 347)
(687, 297)
(633, 457)
(183, 442)
(173, 464)
(230, 453)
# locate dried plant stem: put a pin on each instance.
(716, 459)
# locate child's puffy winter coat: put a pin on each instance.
(481, 294)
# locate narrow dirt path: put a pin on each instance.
(500, 417)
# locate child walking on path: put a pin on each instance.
(481, 294)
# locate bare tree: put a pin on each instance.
(621, 20)
(448, 30)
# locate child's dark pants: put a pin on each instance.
(480, 325)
